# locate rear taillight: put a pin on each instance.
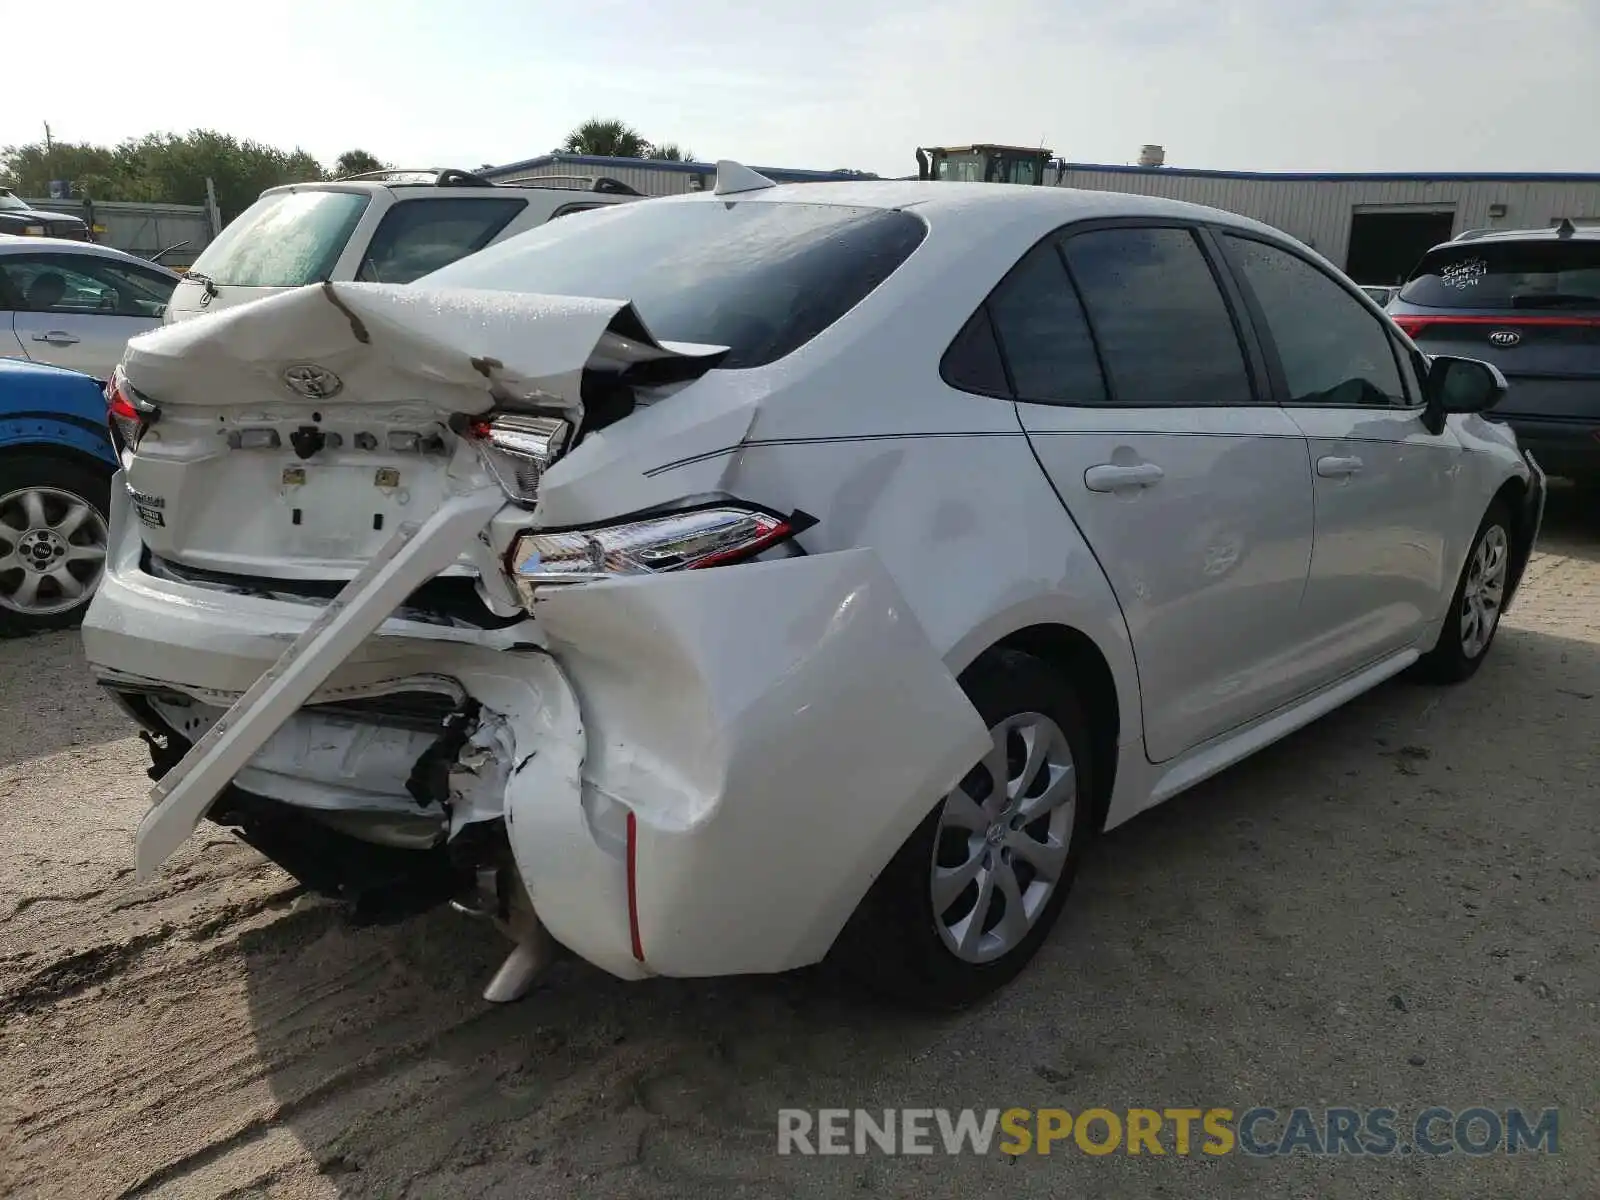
(517, 449)
(1413, 325)
(128, 414)
(682, 541)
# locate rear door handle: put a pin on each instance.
(1333, 467)
(56, 337)
(1109, 477)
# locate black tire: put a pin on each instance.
(1450, 660)
(892, 944)
(91, 484)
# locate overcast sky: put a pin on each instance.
(1342, 85)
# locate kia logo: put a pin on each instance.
(1504, 337)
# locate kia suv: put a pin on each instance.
(1527, 300)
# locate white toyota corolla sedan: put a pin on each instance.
(722, 583)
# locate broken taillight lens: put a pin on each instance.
(128, 414)
(681, 541)
(517, 449)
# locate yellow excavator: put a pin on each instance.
(988, 164)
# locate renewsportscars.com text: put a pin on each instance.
(1256, 1132)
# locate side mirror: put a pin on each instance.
(1461, 385)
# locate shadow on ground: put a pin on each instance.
(1394, 907)
(1571, 523)
(48, 700)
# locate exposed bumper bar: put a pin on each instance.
(412, 556)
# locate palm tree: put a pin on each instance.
(607, 139)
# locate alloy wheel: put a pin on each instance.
(1484, 591)
(1003, 839)
(52, 550)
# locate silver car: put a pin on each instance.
(75, 304)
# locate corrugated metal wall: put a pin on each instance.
(1318, 211)
(143, 228)
(650, 181)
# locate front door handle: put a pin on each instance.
(1109, 477)
(56, 337)
(1333, 467)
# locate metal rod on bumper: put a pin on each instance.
(534, 951)
(409, 559)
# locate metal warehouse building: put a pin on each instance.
(1374, 226)
(649, 176)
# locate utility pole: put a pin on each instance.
(49, 158)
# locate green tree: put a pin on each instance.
(607, 138)
(356, 162)
(669, 152)
(29, 169)
(161, 166)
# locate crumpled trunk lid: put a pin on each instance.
(295, 433)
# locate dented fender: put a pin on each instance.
(775, 729)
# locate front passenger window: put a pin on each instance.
(1333, 350)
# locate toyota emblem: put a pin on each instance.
(312, 382)
(1504, 337)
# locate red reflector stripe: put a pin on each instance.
(633, 887)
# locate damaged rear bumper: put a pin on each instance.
(704, 770)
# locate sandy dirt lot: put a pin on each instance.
(1399, 906)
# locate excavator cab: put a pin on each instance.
(983, 164)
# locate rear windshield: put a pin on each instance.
(762, 278)
(283, 240)
(1551, 274)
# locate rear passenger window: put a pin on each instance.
(1164, 330)
(1042, 333)
(419, 236)
(1333, 350)
(973, 361)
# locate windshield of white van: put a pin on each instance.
(285, 239)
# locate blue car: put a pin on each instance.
(56, 463)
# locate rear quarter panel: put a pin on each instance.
(857, 429)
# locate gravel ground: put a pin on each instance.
(1397, 907)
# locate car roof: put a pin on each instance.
(21, 245)
(561, 183)
(1053, 206)
(1580, 233)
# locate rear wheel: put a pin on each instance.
(52, 540)
(973, 893)
(1480, 593)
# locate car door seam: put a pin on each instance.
(1111, 589)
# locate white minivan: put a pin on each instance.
(381, 227)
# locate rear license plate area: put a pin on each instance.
(348, 510)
